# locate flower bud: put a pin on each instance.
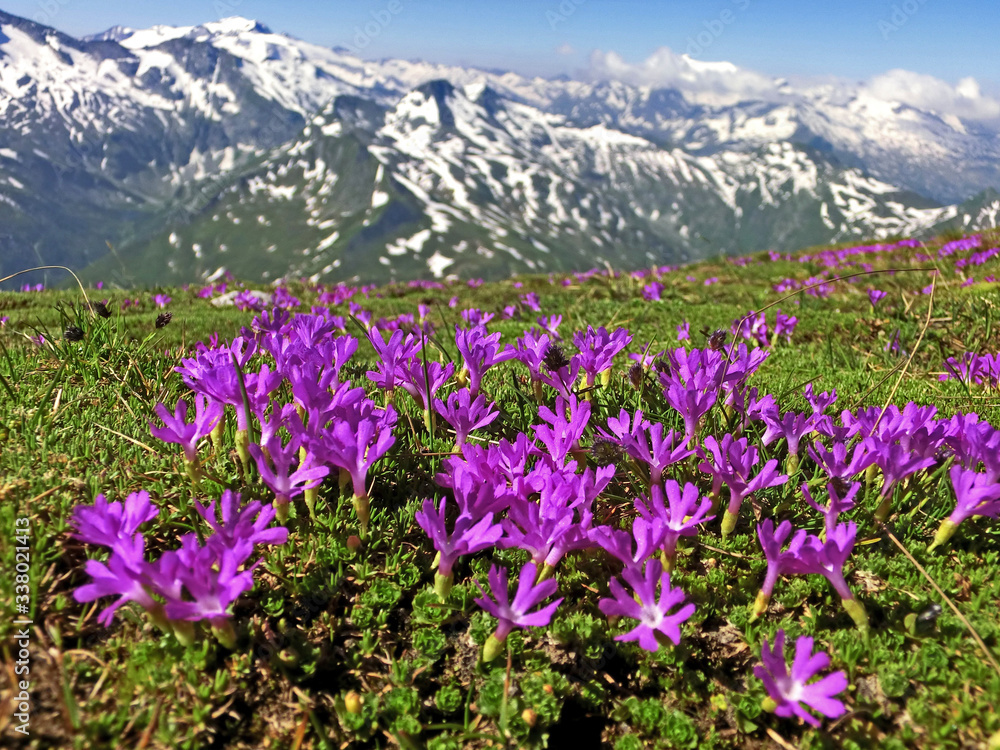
(492, 648)
(353, 702)
(184, 632)
(224, 632)
(945, 532)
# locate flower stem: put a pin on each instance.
(443, 584)
(362, 507)
(760, 605)
(857, 612)
(310, 496)
(728, 522)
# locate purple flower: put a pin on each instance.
(284, 481)
(469, 535)
(752, 326)
(560, 520)
(820, 402)
(976, 495)
(875, 296)
(115, 525)
(791, 693)
(550, 324)
(656, 624)
(562, 434)
(730, 462)
(281, 298)
(248, 299)
(893, 345)
(792, 426)
(684, 331)
(479, 352)
(161, 300)
(559, 373)
(835, 461)
(682, 514)
(808, 554)
(210, 575)
(465, 414)
(392, 356)
(241, 523)
(691, 383)
(531, 301)
(176, 430)
(118, 578)
(631, 548)
(656, 448)
(356, 441)
(530, 351)
(652, 291)
(898, 462)
(784, 325)
(836, 504)
(422, 387)
(779, 562)
(829, 556)
(516, 613)
(598, 348)
(473, 316)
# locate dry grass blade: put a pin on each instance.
(968, 625)
(147, 734)
(126, 437)
(797, 292)
(780, 740)
(902, 374)
(63, 268)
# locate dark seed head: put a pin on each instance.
(101, 309)
(840, 486)
(717, 340)
(605, 451)
(555, 358)
(636, 375)
(73, 333)
(163, 319)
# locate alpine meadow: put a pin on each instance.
(350, 401)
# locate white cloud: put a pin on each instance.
(666, 69)
(724, 83)
(927, 92)
(565, 49)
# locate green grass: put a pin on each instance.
(327, 624)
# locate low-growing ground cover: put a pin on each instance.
(624, 554)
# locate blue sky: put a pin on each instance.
(855, 39)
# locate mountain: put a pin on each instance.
(227, 146)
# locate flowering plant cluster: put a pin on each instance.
(312, 411)
(199, 581)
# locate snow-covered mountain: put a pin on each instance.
(189, 149)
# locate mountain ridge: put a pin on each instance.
(175, 132)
